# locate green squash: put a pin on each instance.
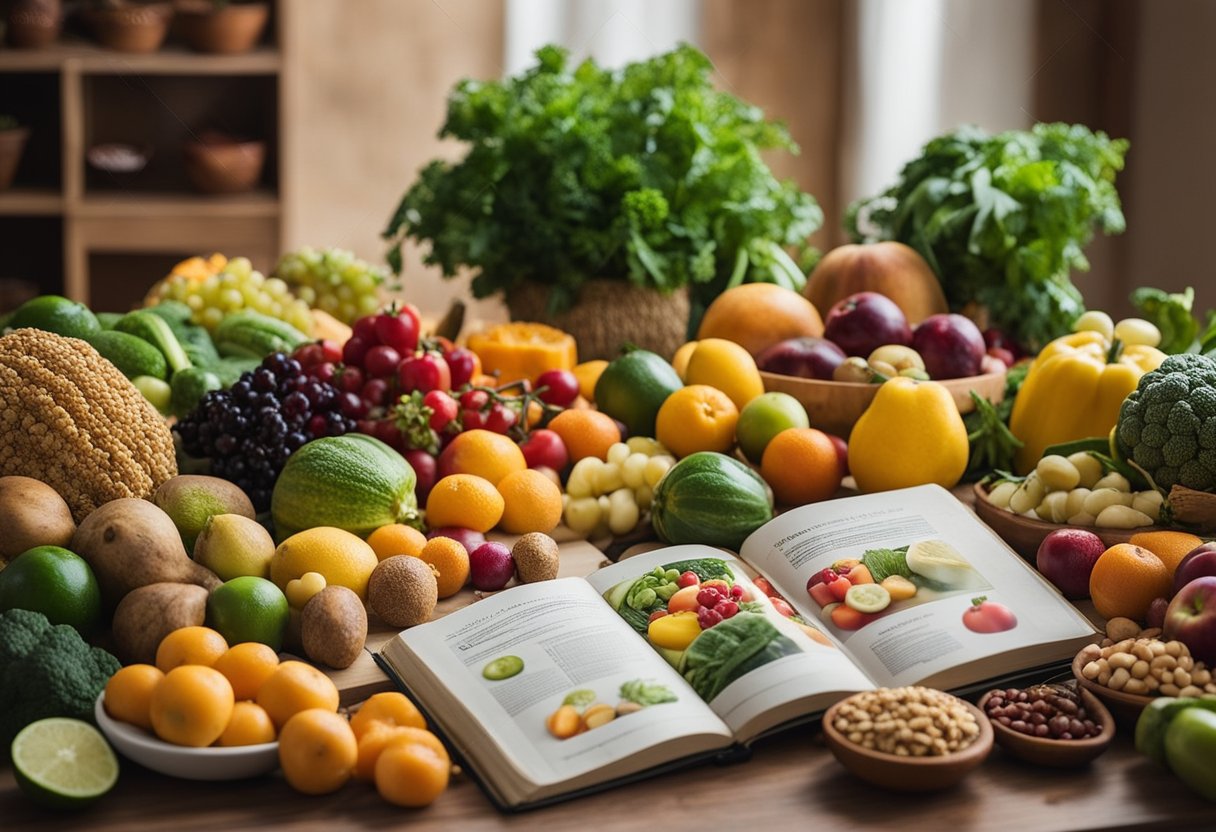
(710, 498)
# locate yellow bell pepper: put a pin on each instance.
(1074, 390)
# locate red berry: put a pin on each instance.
(709, 596)
(325, 371)
(352, 406)
(365, 330)
(375, 392)
(309, 355)
(354, 351)
(686, 578)
(424, 372)
(381, 361)
(708, 618)
(461, 362)
(397, 331)
(501, 418)
(318, 426)
(726, 609)
(736, 592)
(444, 406)
(562, 384)
(350, 380)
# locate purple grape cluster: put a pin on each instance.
(250, 429)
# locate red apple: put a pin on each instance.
(1066, 557)
(951, 346)
(861, 323)
(804, 357)
(984, 616)
(1198, 563)
(1191, 618)
(842, 454)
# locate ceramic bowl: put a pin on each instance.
(222, 165)
(181, 761)
(834, 406)
(908, 774)
(1042, 751)
(1126, 707)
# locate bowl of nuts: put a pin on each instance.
(910, 739)
(1128, 674)
(1049, 725)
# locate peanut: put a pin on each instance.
(1119, 628)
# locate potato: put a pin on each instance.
(33, 515)
(148, 614)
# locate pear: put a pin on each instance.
(233, 546)
(190, 499)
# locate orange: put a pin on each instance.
(450, 560)
(248, 725)
(246, 666)
(464, 500)
(727, 366)
(390, 708)
(190, 645)
(396, 539)
(801, 466)
(588, 373)
(531, 503)
(1170, 547)
(521, 350)
(697, 418)
(1125, 579)
(191, 705)
(294, 687)
(381, 735)
(318, 751)
(758, 315)
(680, 360)
(129, 694)
(411, 774)
(481, 452)
(585, 433)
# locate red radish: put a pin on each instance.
(984, 616)
(545, 448)
(491, 566)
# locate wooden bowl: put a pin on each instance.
(219, 165)
(908, 774)
(834, 406)
(1024, 534)
(1125, 707)
(1042, 751)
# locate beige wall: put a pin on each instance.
(365, 89)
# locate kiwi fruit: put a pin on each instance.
(536, 557)
(333, 627)
(403, 591)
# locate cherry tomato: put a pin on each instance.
(562, 384)
(474, 399)
(501, 418)
(331, 350)
(381, 361)
(544, 448)
(365, 330)
(686, 579)
(424, 372)
(463, 364)
(398, 331)
(309, 355)
(354, 350)
(472, 419)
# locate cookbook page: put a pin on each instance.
(912, 584)
(741, 655)
(522, 661)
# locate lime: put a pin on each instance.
(57, 314)
(54, 582)
(504, 667)
(63, 763)
(763, 418)
(633, 387)
(249, 609)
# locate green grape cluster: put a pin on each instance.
(238, 286)
(334, 280)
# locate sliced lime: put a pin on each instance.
(504, 667)
(63, 763)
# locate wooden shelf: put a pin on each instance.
(139, 205)
(89, 58)
(34, 202)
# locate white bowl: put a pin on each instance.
(182, 761)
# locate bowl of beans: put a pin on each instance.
(1049, 725)
(1128, 674)
(910, 739)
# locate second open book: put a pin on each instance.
(554, 688)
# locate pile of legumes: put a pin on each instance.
(1147, 666)
(1051, 711)
(907, 722)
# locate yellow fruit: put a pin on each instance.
(246, 666)
(318, 751)
(697, 418)
(294, 687)
(1125, 580)
(679, 361)
(396, 539)
(340, 557)
(585, 433)
(411, 774)
(482, 453)
(531, 503)
(390, 708)
(464, 500)
(911, 434)
(451, 562)
(248, 725)
(521, 350)
(588, 373)
(129, 694)
(191, 705)
(300, 590)
(190, 645)
(381, 735)
(727, 366)
(1169, 547)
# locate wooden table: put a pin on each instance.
(791, 781)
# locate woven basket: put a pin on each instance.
(609, 314)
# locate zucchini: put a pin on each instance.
(131, 355)
(249, 334)
(153, 329)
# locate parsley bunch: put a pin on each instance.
(647, 174)
(1004, 219)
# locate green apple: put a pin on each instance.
(1190, 749)
(763, 418)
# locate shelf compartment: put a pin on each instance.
(172, 59)
(27, 201)
(146, 205)
(33, 99)
(33, 254)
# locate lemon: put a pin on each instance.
(231, 546)
(249, 609)
(727, 366)
(339, 556)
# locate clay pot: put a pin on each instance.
(226, 30)
(609, 314)
(219, 164)
(12, 145)
(32, 24)
(131, 28)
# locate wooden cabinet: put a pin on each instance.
(114, 230)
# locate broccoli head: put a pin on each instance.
(47, 672)
(1167, 425)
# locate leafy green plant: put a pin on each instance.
(1004, 219)
(646, 173)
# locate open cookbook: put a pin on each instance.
(552, 689)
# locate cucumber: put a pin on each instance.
(354, 482)
(709, 498)
(155, 331)
(249, 334)
(131, 355)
